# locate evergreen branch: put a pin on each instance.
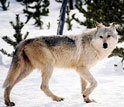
(77, 20)
(118, 52)
(32, 7)
(9, 41)
(26, 35)
(12, 24)
(5, 53)
(68, 19)
(3, 3)
(59, 1)
(79, 7)
(27, 12)
(18, 37)
(121, 39)
(28, 18)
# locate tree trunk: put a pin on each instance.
(62, 18)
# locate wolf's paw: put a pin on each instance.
(87, 100)
(10, 103)
(58, 99)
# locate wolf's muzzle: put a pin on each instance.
(105, 45)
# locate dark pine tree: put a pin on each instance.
(3, 3)
(39, 9)
(18, 36)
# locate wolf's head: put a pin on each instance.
(105, 37)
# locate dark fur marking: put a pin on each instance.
(87, 101)
(53, 41)
(25, 56)
(84, 96)
(28, 41)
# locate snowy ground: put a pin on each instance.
(64, 82)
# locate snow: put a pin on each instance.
(64, 82)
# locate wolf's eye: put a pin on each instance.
(108, 36)
(101, 37)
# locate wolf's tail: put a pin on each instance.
(14, 71)
(17, 66)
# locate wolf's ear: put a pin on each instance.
(98, 25)
(112, 26)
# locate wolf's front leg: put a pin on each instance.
(87, 76)
(46, 74)
(83, 84)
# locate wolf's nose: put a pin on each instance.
(105, 45)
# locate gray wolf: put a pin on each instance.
(79, 52)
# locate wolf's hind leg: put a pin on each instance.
(84, 73)
(25, 72)
(46, 74)
(7, 96)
